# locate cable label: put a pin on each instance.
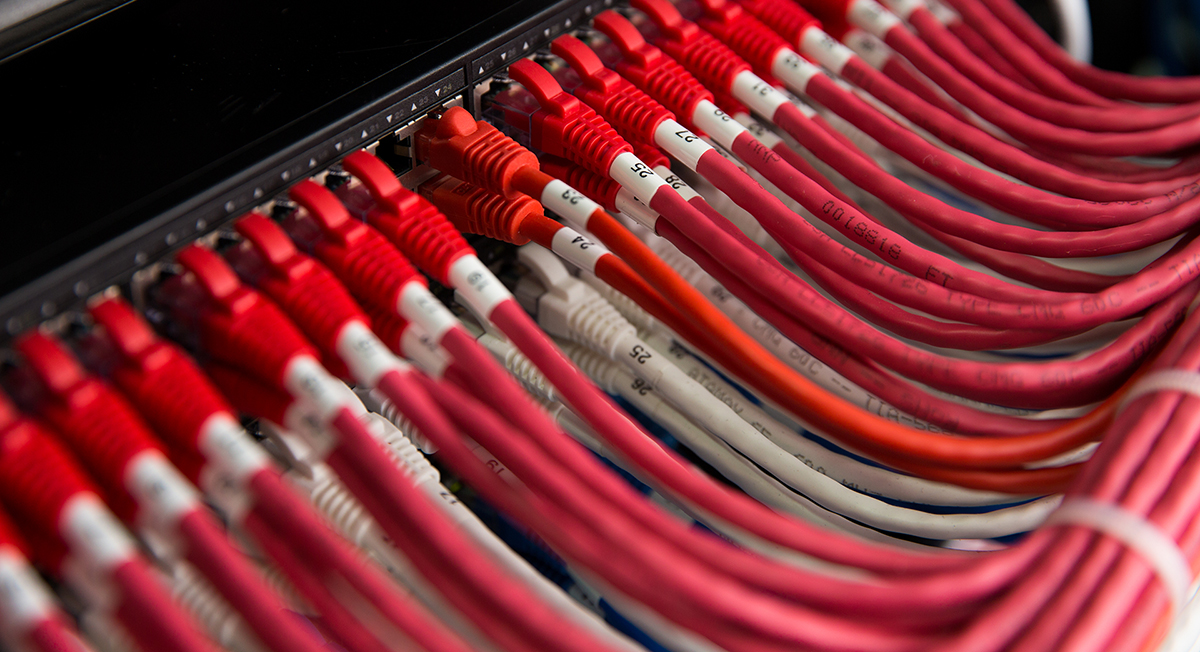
(424, 350)
(160, 490)
(634, 175)
(679, 185)
(680, 143)
(794, 71)
(905, 8)
(717, 124)
(478, 286)
(577, 249)
(758, 94)
(568, 203)
(93, 534)
(367, 357)
(760, 131)
(229, 448)
(419, 306)
(317, 391)
(825, 49)
(868, 47)
(24, 599)
(872, 17)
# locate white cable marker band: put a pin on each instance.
(423, 350)
(227, 446)
(794, 71)
(1153, 545)
(687, 192)
(757, 93)
(160, 488)
(905, 8)
(759, 130)
(419, 306)
(568, 203)
(24, 599)
(825, 49)
(641, 213)
(319, 393)
(717, 124)
(632, 174)
(872, 17)
(943, 13)
(93, 534)
(366, 356)
(478, 286)
(683, 145)
(1166, 380)
(580, 250)
(868, 46)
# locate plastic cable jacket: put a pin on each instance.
(578, 249)
(307, 380)
(159, 487)
(687, 192)
(1165, 380)
(634, 175)
(717, 124)
(683, 145)
(419, 306)
(423, 349)
(1137, 534)
(867, 479)
(868, 47)
(825, 49)
(93, 533)
(793, 70)
(629, 205)
(478, 286)
(225, 444)
(904, 8)
(24, 600)
(568, 203)
(366, 356)
(757, 93)
(871, 16)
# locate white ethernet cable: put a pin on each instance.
(573, 310)
(864, 478)
(615, 379)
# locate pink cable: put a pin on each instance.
(1150, 141)
(920, 208)
(1111, 118)
(1014, 198)
(984, 50)
(453, 564)
(995, 18)
(1034, 271)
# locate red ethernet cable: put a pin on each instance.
(1041, 79)
(121, 452)
(566, 201)
(663, 78)
(1034, 271)
(874, 52)
(1117, 117)
(770, 55)
(182, 405)
(975, 42)
(950, 415)
(29, 618)
(1014, 31)
(60, 512)
(999, 386)
(873, 18)
(252, 336)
